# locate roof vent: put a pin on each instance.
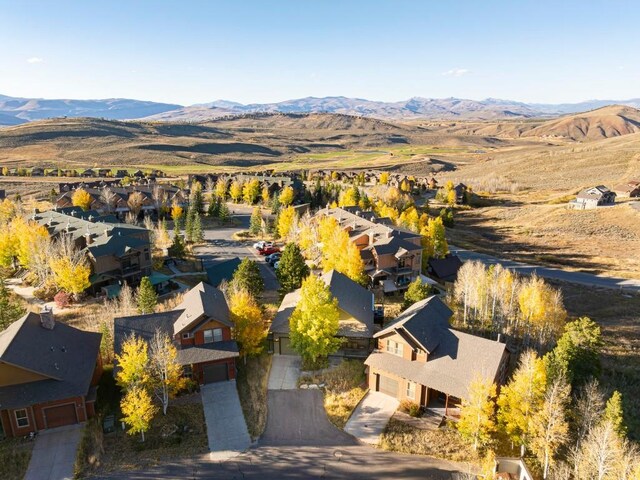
(56, 366)
(63, 349)
(46, 318)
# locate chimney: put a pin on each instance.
(88, 237)
(46, 318)
(499, 339)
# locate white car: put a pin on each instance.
(262, 244)
(276, 265)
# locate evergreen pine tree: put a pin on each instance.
(224, 213)
(275, 205)
(292, 269)
(197, 235)
(255, 223)
(188, 225)
(247, 277)
(147, 298)
(177, 249)
(214, 206)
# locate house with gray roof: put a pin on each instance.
(48, 374)
(201, 328)
(593, 197)
(222, 271)
(117, 252)
(356, 327)
(420, 358)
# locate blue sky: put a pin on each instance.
(262, 51)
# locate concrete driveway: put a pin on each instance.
(371, 416)
(54, 453)
(226, 427)
(285, 371)
(297, 418)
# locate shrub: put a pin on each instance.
(62, 299)
(46, 293)
(410, 408)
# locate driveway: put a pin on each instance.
(285, 371)
(371, 417)
(226, 427)
(297, 418)
(54, 453)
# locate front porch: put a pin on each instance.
(442, 404)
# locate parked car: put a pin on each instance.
(276, 265)
(268, 250)
(262, 244)
(271, 259)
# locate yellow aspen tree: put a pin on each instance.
(314, 322)
(176, 212)
(133, 363)
(250, 328)
(522, 398)
(69, 276)
(476, 422)
(81, 198)
(251, 191)
(384, 178)
(286, 196)
(235, 191)
(286, 222)
(138, 410)
(266, 195)
(221, 189)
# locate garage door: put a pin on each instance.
(215, 373)
(388, 385)
(285, 347)
(59, 416)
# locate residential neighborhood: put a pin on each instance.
(254, 314)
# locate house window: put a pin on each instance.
(213, 335)
(394, 347)
(22, 419)
(411, 390)
(187, 371)
(187, 335)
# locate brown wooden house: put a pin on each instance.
(419, 357)
(201, 329)
(48, 374)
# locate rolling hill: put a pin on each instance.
(244, 141)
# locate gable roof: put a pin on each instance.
(425, 322)
(143, 326)
(353, 299)
(202, 300)
(66, 356)
(223, 270)
(445, 269)
(454, 357)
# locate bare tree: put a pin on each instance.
(135, 202)
(599, 454)
(164, 368)
(108, 199)
(588, 409)
(159, 196)
(550, 426)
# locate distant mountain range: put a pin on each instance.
(14, 111)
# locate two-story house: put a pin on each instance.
(355, 305)
(117, 252)
(48, 374)
(392, 256)
(419, 357)
(593, 197)
(201, 328)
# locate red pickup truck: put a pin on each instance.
(268, 250)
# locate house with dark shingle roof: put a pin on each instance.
(222, 271)
(420, 358)
(201, 328)
(48, 374)
(356, 327)
(117, 252)
(444, 270)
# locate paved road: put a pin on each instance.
(221, 246)
(580, 278)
